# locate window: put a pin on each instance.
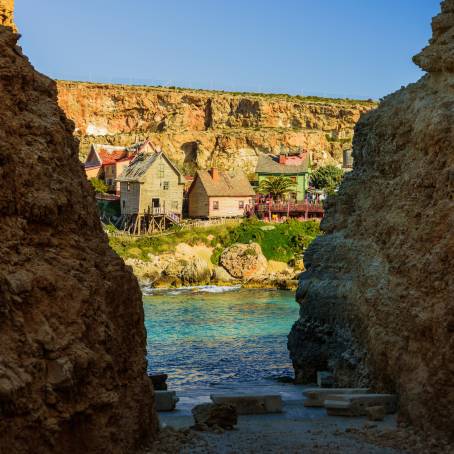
(128, 186)
(124, 204)
(165, 185)
(174, 204)
(241, 204)
(215, 205)
(161, 170)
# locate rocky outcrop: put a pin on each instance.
(72, 362)
(244, 261)
(376, 300)
(202, 128)
(7, 14)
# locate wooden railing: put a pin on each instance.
(300, 207)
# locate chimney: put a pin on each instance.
(282, 159)
(214, 174)
(7, 14)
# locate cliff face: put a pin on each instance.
(377, 300)
(7, 14)
(72, 362)
(209, 128)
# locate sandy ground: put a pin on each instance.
(297, 430)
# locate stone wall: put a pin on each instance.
(72, 363)
(376, 302)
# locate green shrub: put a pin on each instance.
(327, 178)
(99, 185)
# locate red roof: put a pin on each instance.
(113, 156)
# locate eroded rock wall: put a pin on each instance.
(72, 339)
(210, 128)
(7, 14)
(377, 301)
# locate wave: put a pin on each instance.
(147, 290)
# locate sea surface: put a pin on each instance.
(209, 336)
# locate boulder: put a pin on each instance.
(251, 405)
(159, 381)
(325, 379)
(315, 397)
(244, 261)
(214, 415)
(166, 400)
(376, 412)
(357, 404)
(221, 275)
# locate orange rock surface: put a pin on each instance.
(206, 128)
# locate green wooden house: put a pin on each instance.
(296, 166)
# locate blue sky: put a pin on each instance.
(355, 48)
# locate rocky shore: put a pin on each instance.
(239, 264)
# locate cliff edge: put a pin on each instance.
(376, 302)
(200, 128)
(72, 339)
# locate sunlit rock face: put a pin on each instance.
(7, 14)
(377, 301)
(72, 339)
(204, 129)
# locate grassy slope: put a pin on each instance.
(281, 242)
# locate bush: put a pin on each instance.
(99, 185)
(327, 178)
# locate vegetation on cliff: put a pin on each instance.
(281, 242)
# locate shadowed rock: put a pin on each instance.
(72, 362)
(376, 300)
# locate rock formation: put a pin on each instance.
(7, 14)
(377, 298)
(72, 338)
(204, 128)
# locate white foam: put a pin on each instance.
(147, 290)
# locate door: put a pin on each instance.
(156, 205)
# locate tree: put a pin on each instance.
(99, 185)
(327, 178)
(276, 187)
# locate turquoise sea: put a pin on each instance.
(209, 336)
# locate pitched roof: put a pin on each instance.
(270, 164)
(233, 184)
(139, 166)
(109, 154)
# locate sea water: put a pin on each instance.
(209, 336)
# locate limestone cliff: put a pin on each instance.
(72, 339)
(210, 128)
(7, 14)
(377, 298)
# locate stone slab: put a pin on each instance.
(357, 404)
(165, 400)
(316, 396)
(251, 404)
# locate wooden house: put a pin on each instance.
(151, 184)
(219, 194)
(107, 162)
(296, 166)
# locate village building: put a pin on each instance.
(107, 162)
(151, 184)
(295, 166)
(215, 194)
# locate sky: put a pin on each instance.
(337, 48)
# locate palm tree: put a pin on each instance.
(276, 187)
